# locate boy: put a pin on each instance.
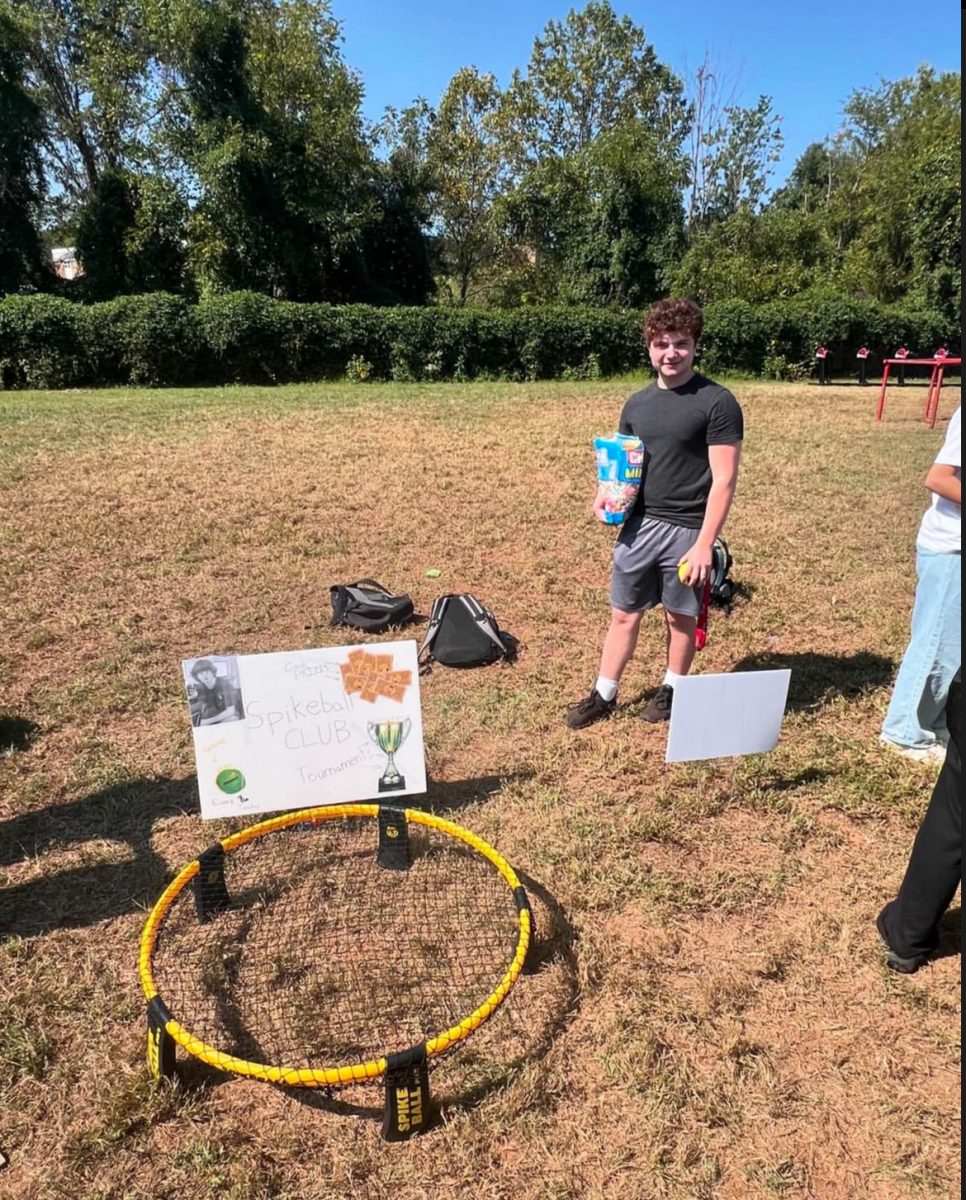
(217, 700)
(692, 430)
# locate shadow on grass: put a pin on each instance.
(82, 895)
(950, 934)
(818, 679)
(791, 783)
(457, 1081)
(16, 733)
(741, 594)
(442, 798)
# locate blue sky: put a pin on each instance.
(808, 57)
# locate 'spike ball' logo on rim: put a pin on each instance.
(230, 781)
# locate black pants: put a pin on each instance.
(910, 922)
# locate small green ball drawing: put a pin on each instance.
(230, 780)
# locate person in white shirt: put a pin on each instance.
(915, 724)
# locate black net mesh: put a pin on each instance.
(323, 958)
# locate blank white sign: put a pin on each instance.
(722, 716)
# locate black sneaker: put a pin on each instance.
(585, 712)
(659, 706)
(895, 962)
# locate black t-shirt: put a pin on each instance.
(213, 702)
(677, 425)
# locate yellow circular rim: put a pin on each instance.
(353, 1072)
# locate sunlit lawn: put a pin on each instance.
(711, 1017)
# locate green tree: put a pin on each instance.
(738, 161)
(270, 130)
(909, 197)
(130, 237)
(89, 70)
(102, 229)
(21, 179)
(588, 75)
(873, 211)
(731, 149)
(594, 133)
(825, 183)
(603, 225)
(396, 249)
(156, 243)
(467, 169)
(811, 181)
(756, 257)
(393, 262)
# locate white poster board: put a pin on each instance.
(307, 727)
(722, 716)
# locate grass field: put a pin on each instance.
(710, 1017)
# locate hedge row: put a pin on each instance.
(158, 339)
(779, 339)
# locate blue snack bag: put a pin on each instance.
(620, 470)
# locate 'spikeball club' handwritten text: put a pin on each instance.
(289, 723)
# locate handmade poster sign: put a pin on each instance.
(722, 716)
(307, 727)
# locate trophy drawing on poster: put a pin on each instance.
(389, 736)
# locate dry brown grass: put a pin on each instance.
(710, 1017)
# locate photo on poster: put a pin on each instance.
(214, 691)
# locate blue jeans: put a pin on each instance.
(917, 710)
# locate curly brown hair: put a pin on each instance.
(673, 316)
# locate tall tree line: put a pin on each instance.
(211, 145)
(21, 174)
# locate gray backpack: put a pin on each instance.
(462, 633)
(367, 605)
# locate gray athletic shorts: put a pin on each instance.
(645, 573)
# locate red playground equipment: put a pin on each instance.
(937, 364)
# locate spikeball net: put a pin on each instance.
(334, 946)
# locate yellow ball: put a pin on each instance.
(683, 570)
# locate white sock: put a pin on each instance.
(671, 677)
(606, 688)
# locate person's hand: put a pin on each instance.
(699, 559)
(599, 508)
(227, 714)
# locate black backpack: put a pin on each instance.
(367, 605)
(462, 633)
(722, 585)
